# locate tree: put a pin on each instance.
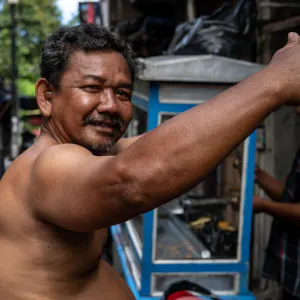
(36, 20)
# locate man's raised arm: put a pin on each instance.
(95, 192)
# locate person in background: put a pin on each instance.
(282, 258)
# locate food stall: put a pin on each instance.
(204, 235)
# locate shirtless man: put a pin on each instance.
(58, 198)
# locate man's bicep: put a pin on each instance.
(67, 190)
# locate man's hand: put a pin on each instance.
(258, 204)
(285, 68)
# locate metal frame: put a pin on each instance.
(223, 293)
(149, 265)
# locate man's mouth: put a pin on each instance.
(105, 124)
(105, 127)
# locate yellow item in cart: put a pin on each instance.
(224, 225)
(199, 223)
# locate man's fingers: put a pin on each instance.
(293, 38)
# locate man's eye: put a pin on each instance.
(123, 94)
(92, 88)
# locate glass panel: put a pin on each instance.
(165, 116)
(204, 222)
(216, 283)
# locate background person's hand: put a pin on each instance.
(258, 204)
(284, 72)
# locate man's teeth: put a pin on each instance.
(103, 125)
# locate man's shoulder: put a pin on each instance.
(64, 149)
(62, 154)
(54, 160)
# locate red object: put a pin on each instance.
(180, 295)
(91, 13)
(35, 121)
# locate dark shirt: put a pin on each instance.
(282, 261)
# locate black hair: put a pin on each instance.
(65, 41)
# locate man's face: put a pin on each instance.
(93, 107)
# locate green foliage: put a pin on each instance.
(26, 87)
(36, 19)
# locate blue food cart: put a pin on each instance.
(202, 236)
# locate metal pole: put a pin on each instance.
(105, 7)
(14, 77)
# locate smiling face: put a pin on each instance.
(92, 106)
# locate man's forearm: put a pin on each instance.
(176, 155)
(287, 211)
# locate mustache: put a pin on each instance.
(115, 121)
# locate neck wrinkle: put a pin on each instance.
(46, 129)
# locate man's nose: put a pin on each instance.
(108, 101)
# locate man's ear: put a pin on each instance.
(44, 96)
